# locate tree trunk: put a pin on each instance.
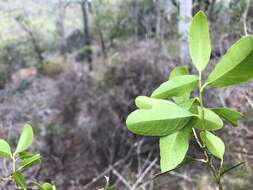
(185, 18)
(158, 20)
(87, 36)
(30, 33)
(163, 8)
(136, 18)
(211, 10)
(100, 32)
(160, 25)
(60, 26)
(102, 42)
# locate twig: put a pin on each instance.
(97, 178)
(145, 164)
(144, 173)
(173, 173)
(245, 18)
(128, 155)
(121, 178)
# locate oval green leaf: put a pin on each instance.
(47, 186)
(25, 139)
(173, 149)
(29, 160)
(212, 121)
(229, 115)
(144, 102)
(157, 117)
(190, 104)
(177, 86)
(179, 71)
(235, 67)
(19, 180)
(5, 150)
(213, 143)
(199, 41)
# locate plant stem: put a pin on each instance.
(201, 99)
(218, 182)
(197, 138)
(13, 164)
(216, 172)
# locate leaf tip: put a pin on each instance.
(200, 13)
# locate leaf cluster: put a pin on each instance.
(172, 114)
(21, 160)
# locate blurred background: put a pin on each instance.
(72, 69)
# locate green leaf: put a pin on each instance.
(179, 71)
(19, 180)
(26, 139)
(173, 149)
(213, 143)
(144, 102)
(212, 121)
(177, 86)
(199, 41)
(190, 104)
(231, 116)
(110, 188)
(5, 150)
(47, 186)
(157, 117)
(29, 160)
(25, 155)
(235, 67)
(44, 186)
(226, 170)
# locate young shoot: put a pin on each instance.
(21, 160)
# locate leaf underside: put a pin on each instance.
(213, 143)
(5, 150)
(229, 115)
(157, 117)
(173, 149)
(212, 121)
(177, 86)
(26, 139)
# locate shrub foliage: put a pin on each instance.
(172, 114)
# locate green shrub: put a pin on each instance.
(53, 66)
